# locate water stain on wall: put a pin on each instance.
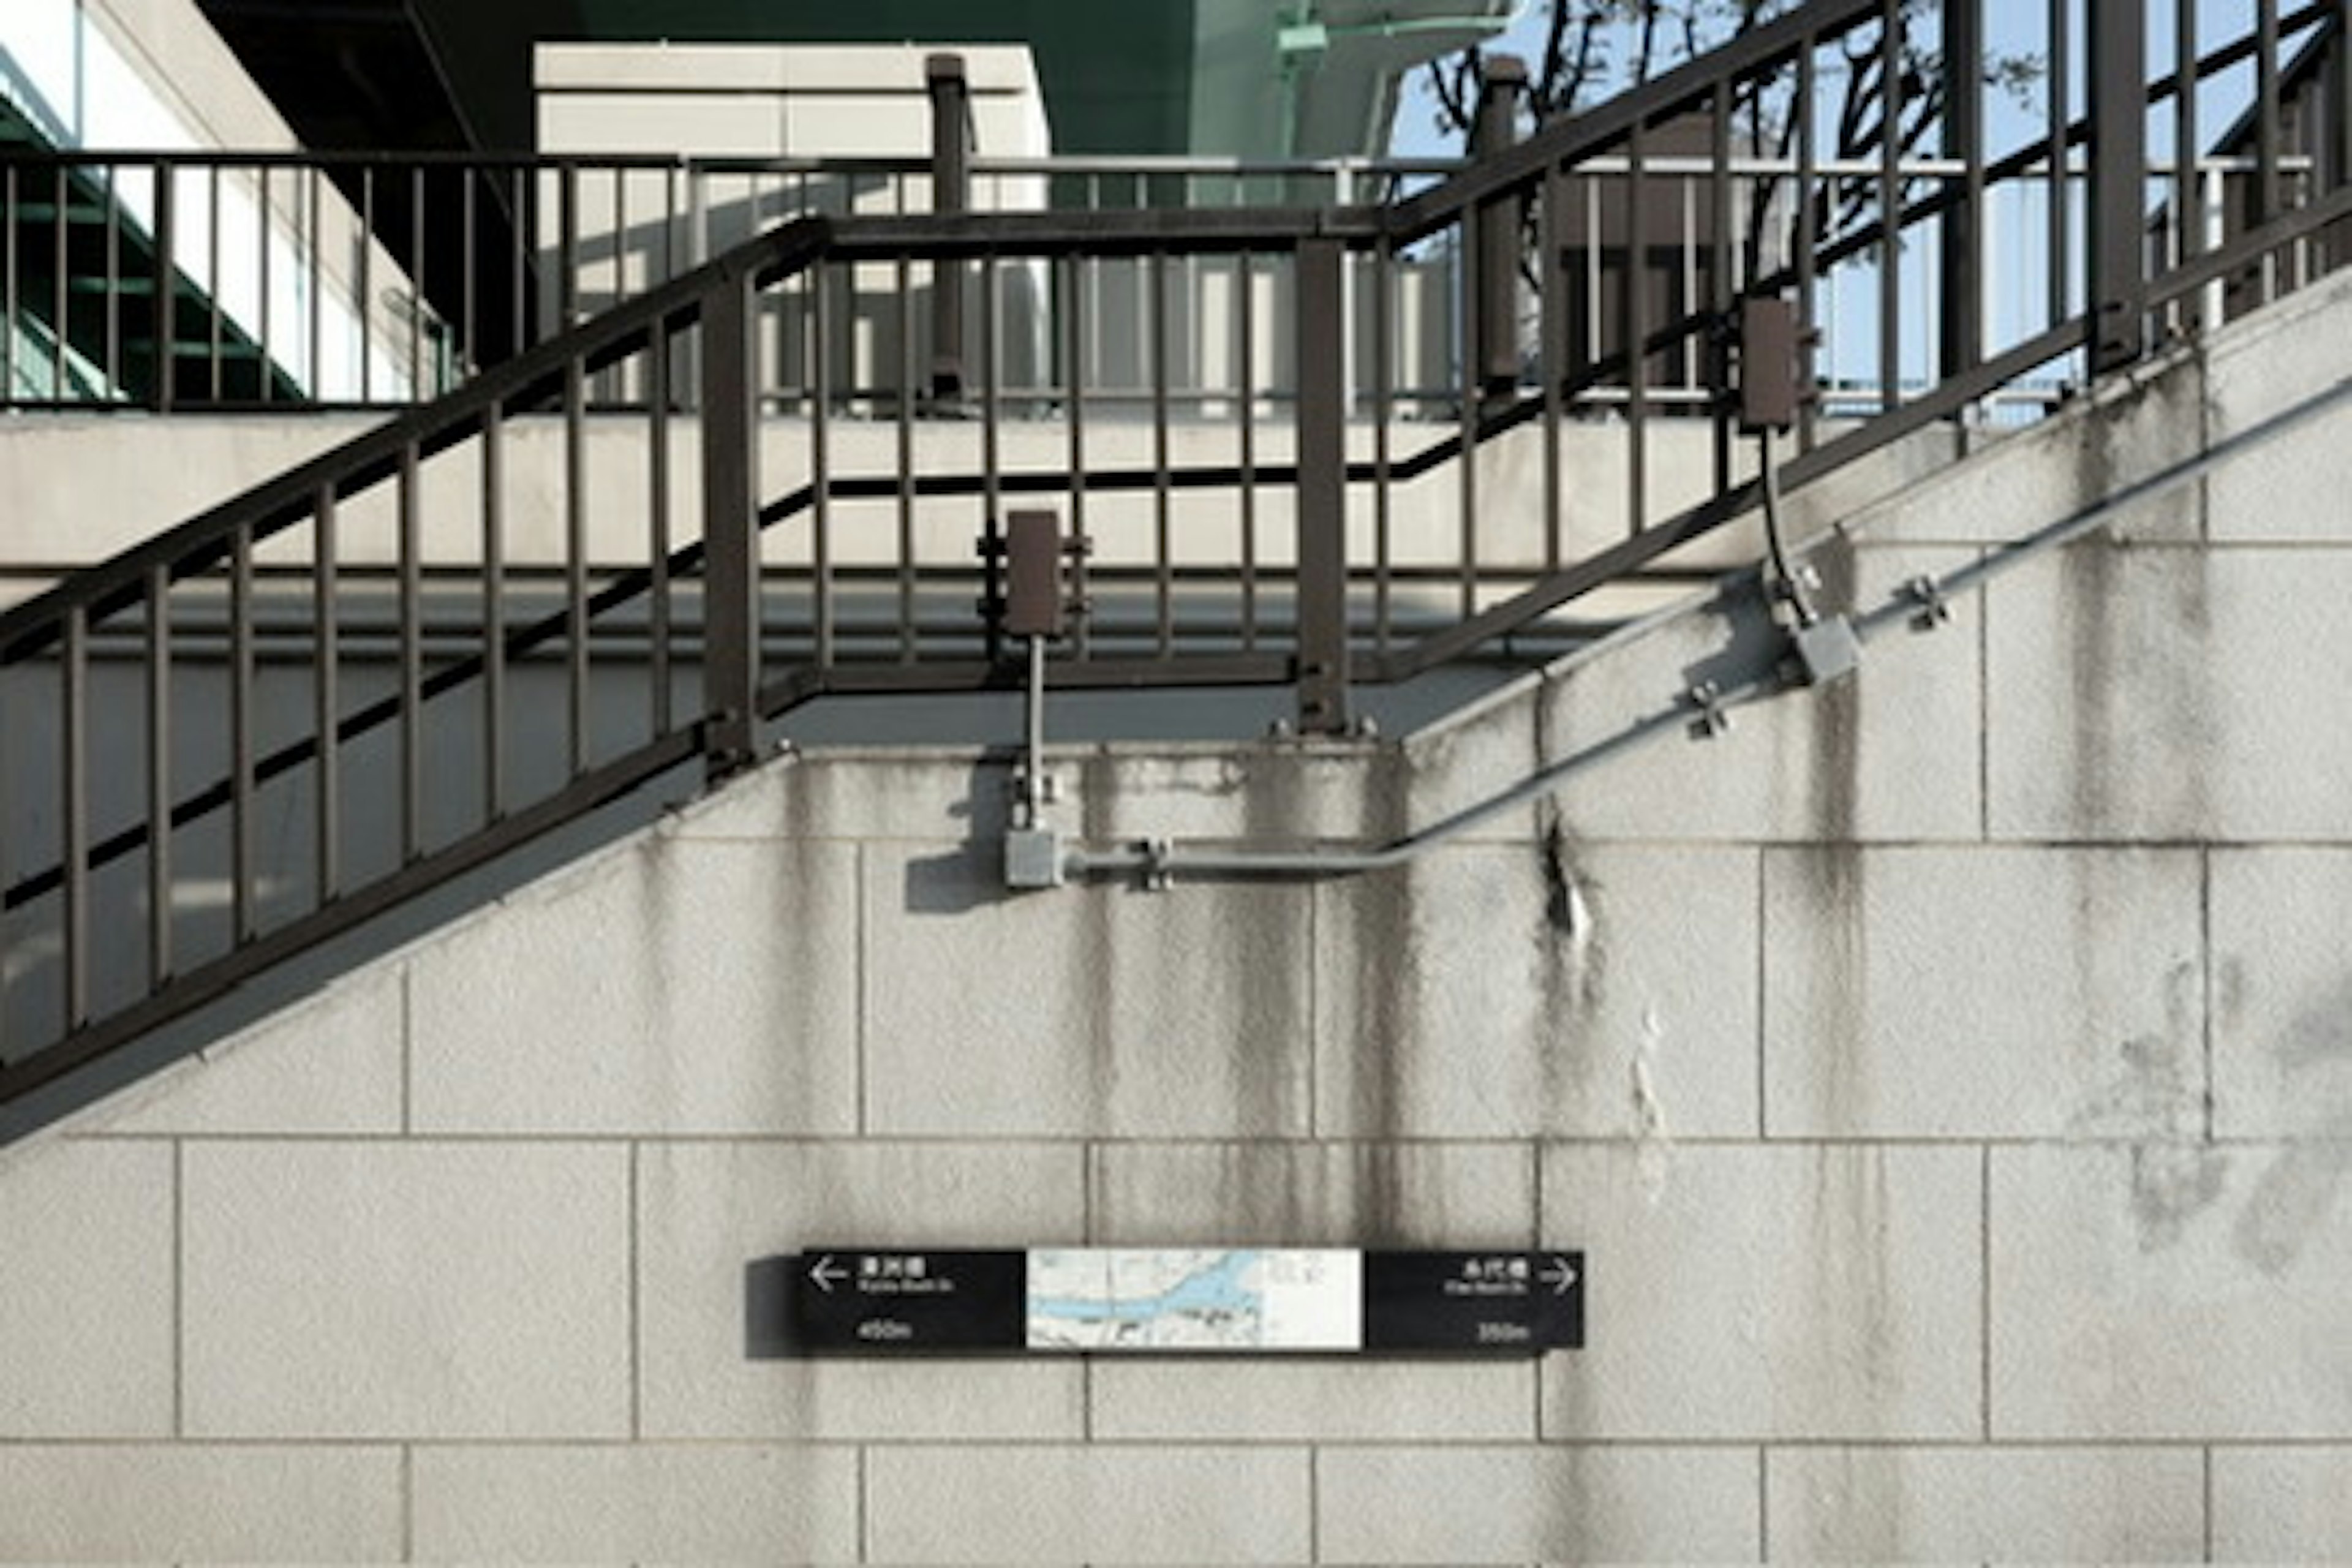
(2296, 1198)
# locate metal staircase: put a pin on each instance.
(398, 663)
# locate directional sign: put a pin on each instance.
(859, 1299)
(1232, 1300)
(1474, 1300)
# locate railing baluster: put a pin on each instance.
(2268, 190)
(326, 696)
(820, 293)
(8, 313)
(658, 588)
(363, 298)
(616, 379)
(669, 222)
(2334, 139)
(1469, 386)
(523, 190)
(61, 197)
(1322, 438)
(158, 683)
(905, 420)
(1595, 270)
(412, 640)
(567, 245)
(2058, 244)
(1634, 334)
(1384, 305)
(1713, 349)
(1807, 240)
(2187, 197)
(1074, 396)
(263, 346)
(1890, 203)
(418, 391)
(214, 356)
(315, 260)
(1162, 528)
(112, 367)
(468, 351)
(575, 564)
(494, 613)
(990, 435)
(73, 813)
(244, 920)
(1246, 417)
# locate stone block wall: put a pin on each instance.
(1947, 1074)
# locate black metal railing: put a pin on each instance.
(358, 280)
(627, 548)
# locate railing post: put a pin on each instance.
(1963, 322)
(1495, 128)
(1322, 491)
(2118, 165)
(2331, 143)
(950, 93)
(731, 533)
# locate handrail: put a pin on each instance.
(1578, 136)
(538, 374)
(839, 526)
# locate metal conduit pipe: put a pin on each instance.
(1923, 603)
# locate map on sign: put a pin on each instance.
(1098, 1299)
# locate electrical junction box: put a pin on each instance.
(1827, 651)
(1032, 858)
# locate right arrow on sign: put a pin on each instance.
(1560, 1274)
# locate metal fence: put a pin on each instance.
(514, 603)
(238, 281)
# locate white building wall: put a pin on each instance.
(1946, 1075)
(798, 120)
(154, 76)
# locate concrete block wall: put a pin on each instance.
(1947, 1074)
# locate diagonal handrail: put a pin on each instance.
(1594, 131)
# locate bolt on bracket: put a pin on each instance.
(1706, 697)
(1935, 610)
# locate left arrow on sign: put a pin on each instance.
(826, 1274)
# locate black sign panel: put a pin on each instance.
(862, 1299)
(1530, 1301)
(1192, 1300)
